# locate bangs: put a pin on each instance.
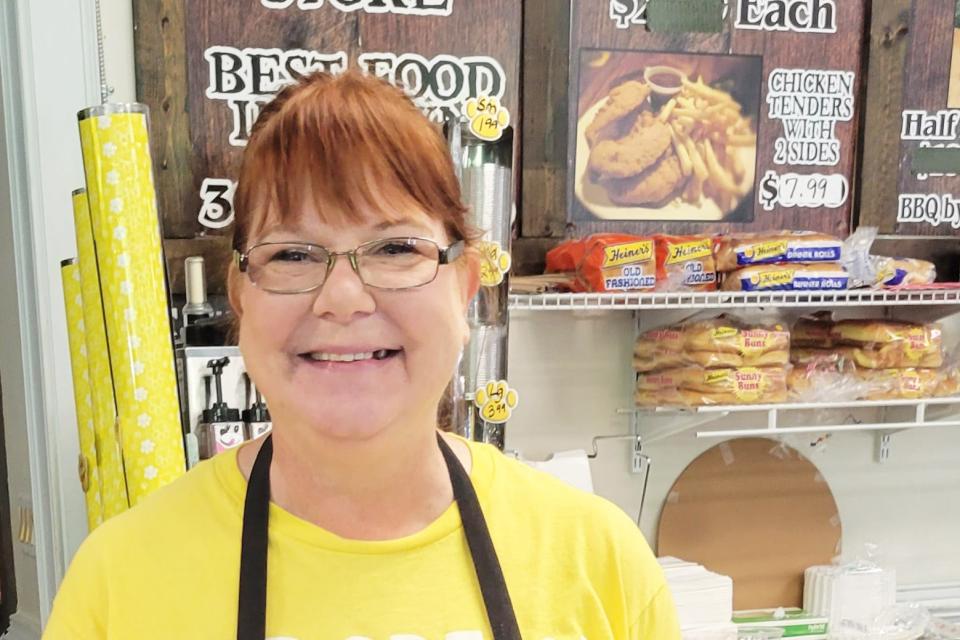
(350, 148)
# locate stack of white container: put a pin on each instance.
(851, 597)
(704, 600)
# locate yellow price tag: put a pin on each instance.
(488, 118)
(496, 401)
(494, 263)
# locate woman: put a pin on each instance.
(355, 267)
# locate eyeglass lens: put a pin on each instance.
(392, 263)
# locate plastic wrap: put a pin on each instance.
(736, 251)
(607, 262)
(867, 270)
(123, 209)
(696, 386)
(826, 276)
(686, 263)
(724, 341)
(876, 343)
(82, 393)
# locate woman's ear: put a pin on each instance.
(469, 273)
(233, 289)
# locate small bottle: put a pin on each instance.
(257, 416)
(199, 327)
(220, 428)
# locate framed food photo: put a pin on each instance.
(664, 136)
(713, 116)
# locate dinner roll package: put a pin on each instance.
(784, 247)
(788, 277)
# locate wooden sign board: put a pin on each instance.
(756, 510)
(206, 67)
(913, 115)
(765, 138)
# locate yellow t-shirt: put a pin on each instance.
(576, 567)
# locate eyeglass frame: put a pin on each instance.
(445, 255)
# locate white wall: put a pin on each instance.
(574, 372)
(12, 382)
(48, 56)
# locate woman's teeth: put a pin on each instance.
(380, 354)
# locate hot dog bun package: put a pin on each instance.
(686, 263)
(826, 276)
(607, 262)
(784, 247)
(722, 342)
(697, 386)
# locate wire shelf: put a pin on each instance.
(725, 300)
(914, 415)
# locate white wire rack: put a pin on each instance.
(905, 415)
(726, 300)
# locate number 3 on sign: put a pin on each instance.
(488, 118)
(496, 401)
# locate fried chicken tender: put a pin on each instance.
(654, 185)
(632, 154)
(615, 117)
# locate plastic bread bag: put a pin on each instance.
(686, 263)
(881, 356)
(713, 341)
(607, 262)
(696, 386)
(873, 343)
(868, 270)
(740, 250)
(826, 377)
(827, 276)
(896, 272)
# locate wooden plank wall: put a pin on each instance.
(912, 47)
(191, 131)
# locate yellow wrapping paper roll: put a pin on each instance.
(123, 209)
(113, 484)
(89, 474)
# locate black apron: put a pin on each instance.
(252, 613)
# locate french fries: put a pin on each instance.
(708, 129)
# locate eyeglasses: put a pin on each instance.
(391, 263)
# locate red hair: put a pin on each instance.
(351, 145)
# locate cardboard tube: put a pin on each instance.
(109, 461)
(123, 210)
(89, 474)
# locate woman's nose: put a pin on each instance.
(343, 294)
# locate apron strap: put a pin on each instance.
(252, 607)
(493, 586)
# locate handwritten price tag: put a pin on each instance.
(494, 263)
(496, 401)
(488, 118)
(812, 190)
